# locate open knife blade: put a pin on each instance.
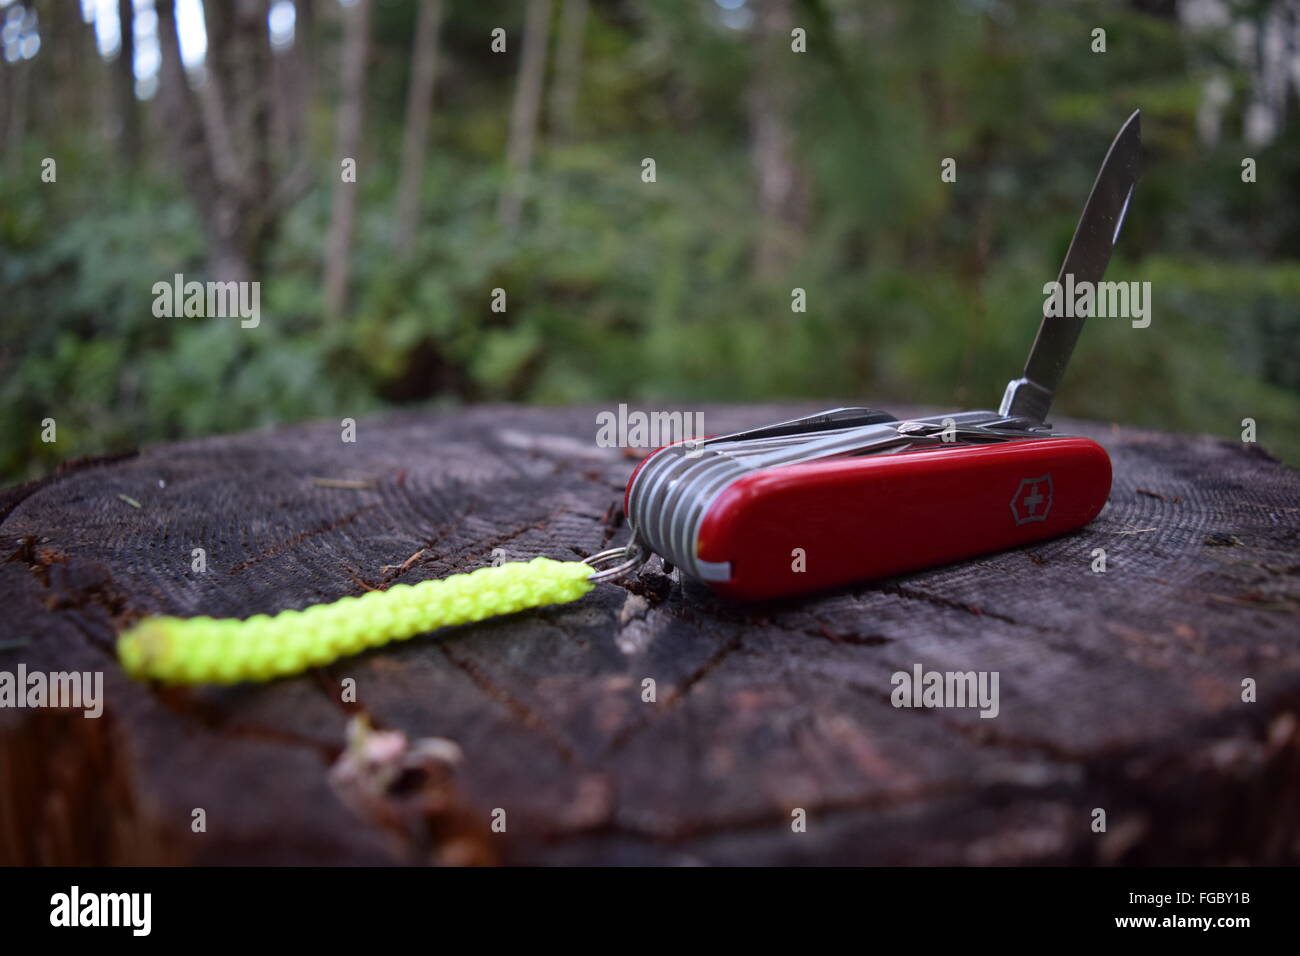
(1094, 239)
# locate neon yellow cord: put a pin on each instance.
(204, 650)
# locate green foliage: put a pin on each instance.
(918, 291)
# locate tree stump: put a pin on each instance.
(1120, 691)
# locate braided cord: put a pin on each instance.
(204, 650)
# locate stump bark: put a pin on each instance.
(1120, 691)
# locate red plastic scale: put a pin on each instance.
(792, 530)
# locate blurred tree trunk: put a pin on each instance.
(415, 135)
(568, 67)
(14, 86)
(240, 71)
(18, 79)
(222, 138)
(190, 139)
(286, 99)
(61, 69)
(303, 57)
(128, 113)
(338, 245)
(294, 70)
(525, 111)
(782, 187)
(6, 104)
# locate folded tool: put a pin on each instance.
(851, 494)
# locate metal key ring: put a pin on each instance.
(632, 551)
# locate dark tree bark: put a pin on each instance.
(1120, 690)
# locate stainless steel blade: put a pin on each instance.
(1086, 260)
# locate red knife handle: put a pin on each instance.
(801, 528)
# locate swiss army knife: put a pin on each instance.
(851, 494)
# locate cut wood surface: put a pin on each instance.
(1119, 690)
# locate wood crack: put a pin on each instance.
(522, 712)
(276, 550)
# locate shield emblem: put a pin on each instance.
(1032, 500)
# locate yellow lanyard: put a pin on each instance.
(204, 650)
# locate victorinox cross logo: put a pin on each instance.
(1032, 500)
